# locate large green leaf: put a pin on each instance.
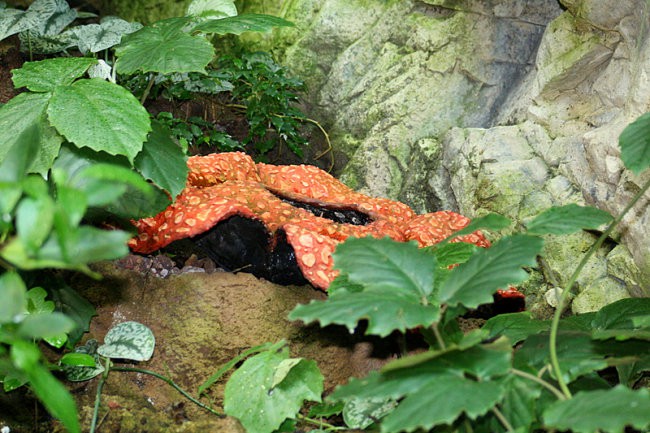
(45, 75)
(34, 220)
(162, 161)
(621, 314)
(100, 115)
(568, 219)
(55, 16)
(242, 23)
(261, 407)
(14, 297)
(25, 111)
(128, 340)
(387, 310)
(163, 47)
(98, 37)
(44, 325)
(389, 285)
(605, 411)
(635, 144)
(359, 413)
(473, 282)
(442, 401)
(519, 401)
(387, 265)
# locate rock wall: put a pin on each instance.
(485, 106)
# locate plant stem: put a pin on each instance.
(145, 94)
(439, 339)
(565, 293)
(502, 419)
(540, 381)
(320, 423)
(98, 395)
(173, 385)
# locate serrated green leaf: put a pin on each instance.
(54, 396)
(45, 75)
(385, 311)
(453, 253)
(359, 413)
(519, 401)
(634, 142)
(108, 33)
(606, 411)
(25, 111)
(113, 120)
(621, 314)
(212, 8)
(441, 401)
(128, 340)
(261, 408)
(385, 264)
(162, 161)
(241, 23)
(164, 47)
(473, 282)
(568, 219)
(14, 297)
(515, 326)
(44, 325)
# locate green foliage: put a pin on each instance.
(195, 132)
(267, 95)
(128, 340)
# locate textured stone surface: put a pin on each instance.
(484, 106)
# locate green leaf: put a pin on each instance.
(24, 354)
(25, 111)
(162, 161)
(113, 119)
(453, 253)
(78, 360)
(385, 311)
(212, 8)
(515, 326)
(250, 397)
(242, 23)
(46, 75)
(622, 314)
(55, 16)
(44, 325)
(606, 411)
(386, 265)
(283, 369)
(104, 183)
(36, 302)
(128, 340)
(34, 220)
(236, 360)
(520, 401)
(441, 401)
(568, 219)
(325, 410)
(163, 47)
(14, 297)
(99, 37)
(473, 282)
(14, 168)
(634, 142)
(493, 222)
(54, 396)
(83, 364)
(14, 21)
(359, 413)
